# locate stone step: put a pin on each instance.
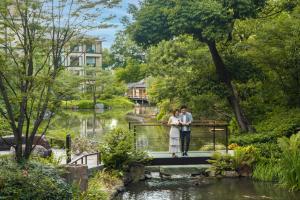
(167, 170)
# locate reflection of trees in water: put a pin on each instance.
(225, 189)
(89, 123)
(142, 142)
(158, 137)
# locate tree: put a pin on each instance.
(107, 59)
(132, 72)
(210, 22)
(182, 72)
(124, 48)
(275, 48)
(36, 34)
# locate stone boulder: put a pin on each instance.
(10, 139)
(77, 174)
(38, 150)
(135, 173)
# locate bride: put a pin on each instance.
(174, 146)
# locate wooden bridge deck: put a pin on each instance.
(194, 158)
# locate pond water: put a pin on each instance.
(211, 189)
(95, 124)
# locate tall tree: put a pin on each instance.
(34, 42)
(124, 49)
(209, 21)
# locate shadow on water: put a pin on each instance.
(210, 189)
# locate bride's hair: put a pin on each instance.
(174, 111)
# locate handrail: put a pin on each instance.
(215, 127)
(83, 159)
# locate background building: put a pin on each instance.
(87, 53)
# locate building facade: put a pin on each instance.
(84, 54)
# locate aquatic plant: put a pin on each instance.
(290, 161)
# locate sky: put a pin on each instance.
(108, 34)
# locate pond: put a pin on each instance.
(211, 189)
(95, 124)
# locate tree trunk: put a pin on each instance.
(18, 147)
(225, 78)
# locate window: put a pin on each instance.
(91, 48)
(74, 61)
(75, 48)
(91, 61)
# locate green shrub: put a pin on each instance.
(113, 102)
(117, 102)
(280, 122)
(101, 185)
(290, 161)
(30, 181)
(118, 150)
(268, 150)
(245, 156)
(267, 170)
(220, 163)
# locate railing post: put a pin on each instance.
(68, 148)
(226, 133)
(98, 158)
(214, 136)
(134, 135)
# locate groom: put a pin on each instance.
(186, 119)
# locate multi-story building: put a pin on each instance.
(84, 54)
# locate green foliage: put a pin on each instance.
(221, 163)
(275, 49)
(117, 102)
(114, 102)
(4, 127)
(182, 73)
(101, 185)
(124, 49)
(267, 170)
(290, 161)
(207, 20)
(108, 59)
(245, 156)
(133, 71)
(268, 150)
(280, 122)
(32, 180)
(58, 136)
(118, 150)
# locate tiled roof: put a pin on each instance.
(140, 84)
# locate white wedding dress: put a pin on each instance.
(174, 144)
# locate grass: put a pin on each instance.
(115, 102)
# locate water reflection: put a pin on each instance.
(225, 189)
(96, 123)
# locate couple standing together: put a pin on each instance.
(180, 122)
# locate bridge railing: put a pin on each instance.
(84, 159)
(213, 127)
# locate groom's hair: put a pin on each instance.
(183, 107)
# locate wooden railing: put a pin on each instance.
(84, 159)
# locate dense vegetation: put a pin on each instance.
(236, 61)
(33, 180)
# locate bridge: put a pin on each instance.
(212, 130)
